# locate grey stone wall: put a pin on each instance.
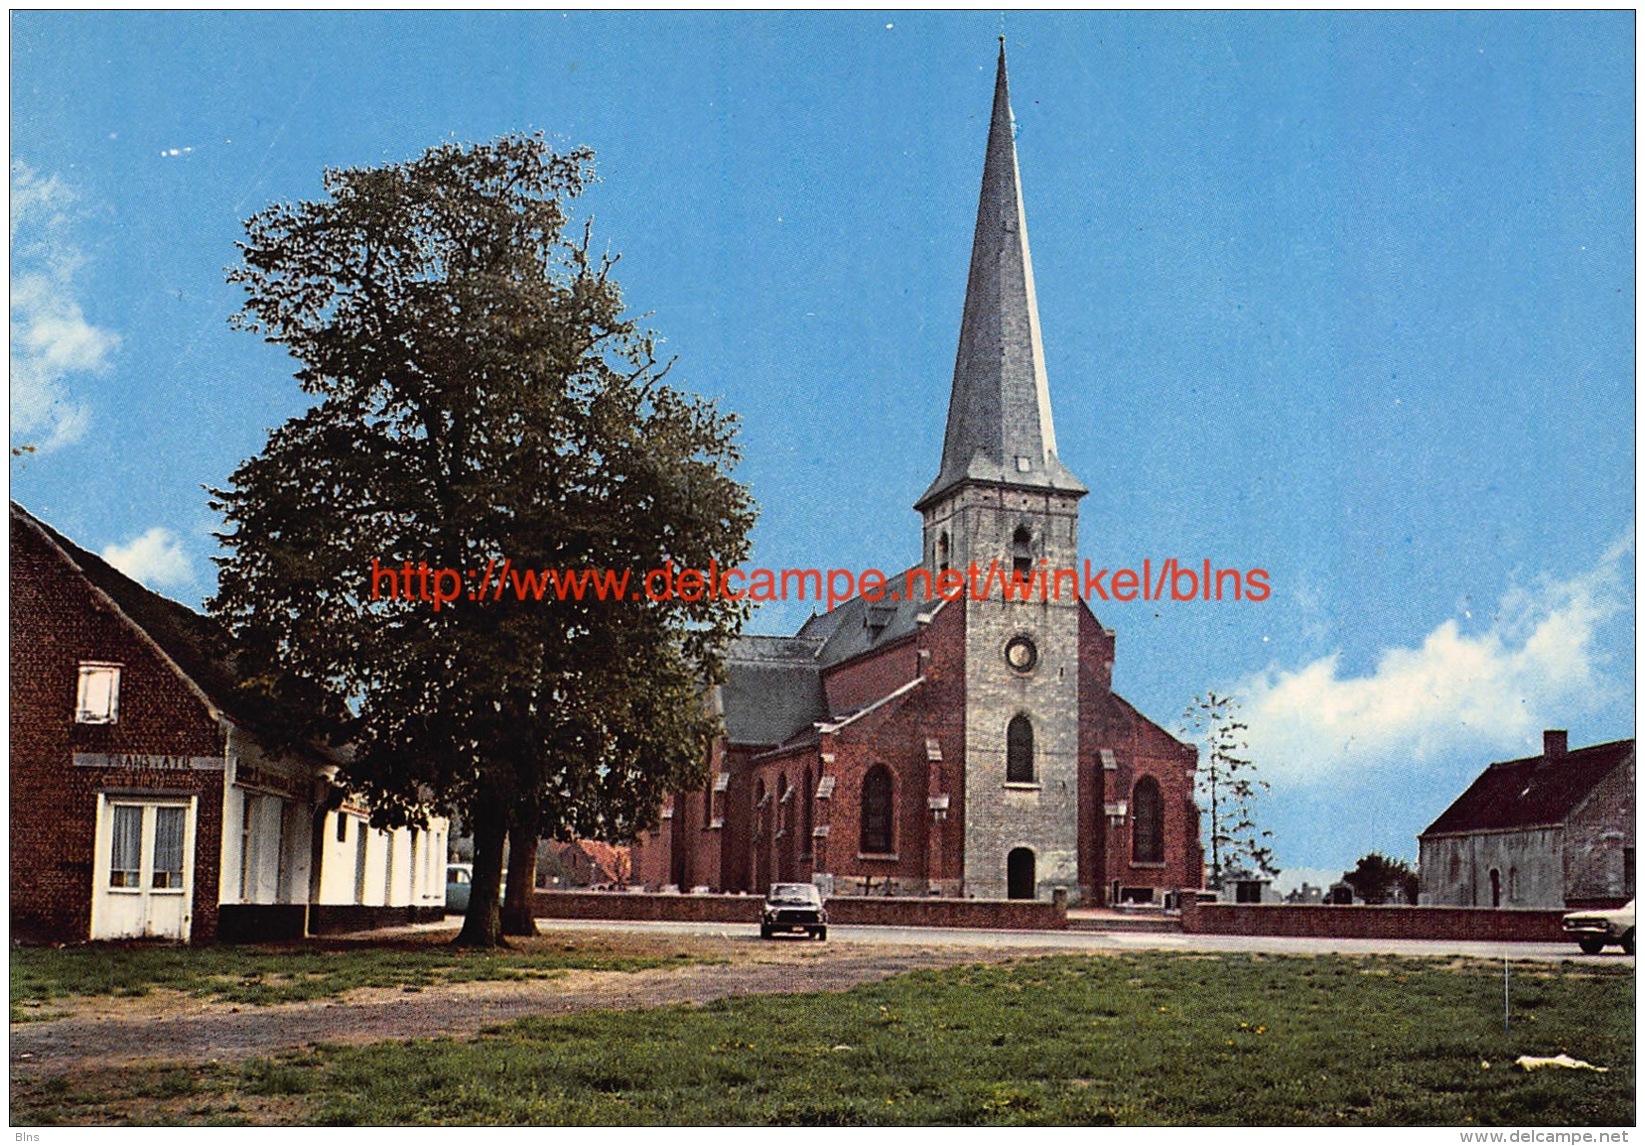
(1043, 815)
(1530, 867)
(1599, 840)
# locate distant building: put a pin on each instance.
(1306, 893)
(145, 801)
(1555, 830)
(590, 863)
(1239, 886)
(907, 744)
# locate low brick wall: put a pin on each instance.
(992, 914)
(1362, 922)
(626, 905)
(909, 911)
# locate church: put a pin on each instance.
(969, 747)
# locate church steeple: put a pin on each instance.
(999, 413)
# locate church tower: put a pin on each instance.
(1003, 504)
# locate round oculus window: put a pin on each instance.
(1021, 654)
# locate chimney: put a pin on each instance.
(1553, 744)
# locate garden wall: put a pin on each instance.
(897, 911)
(1362, 922)
(992, 914)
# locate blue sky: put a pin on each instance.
(1349, 297)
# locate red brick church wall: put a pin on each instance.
(859, 683)
(1141, 748)
(929, 852)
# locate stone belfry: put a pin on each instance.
(1004, 503)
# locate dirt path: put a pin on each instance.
(169, 1027)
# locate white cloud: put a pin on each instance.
(50, 337)
(1536, 665)
(156, 559)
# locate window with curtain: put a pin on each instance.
(126, 854)
(168, 847)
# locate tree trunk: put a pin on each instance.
(517, 916)
(482, 926)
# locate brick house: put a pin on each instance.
(591, 863)
(144, 802)
(1555, 830)
(917, 745)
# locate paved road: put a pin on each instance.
(1120, 941)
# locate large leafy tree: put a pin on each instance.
(1377, 878)
(1229, 786)
(480, 396)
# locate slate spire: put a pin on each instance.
(999, 413)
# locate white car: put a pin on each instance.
(1594, 930)
(459, 879)
(460, 884)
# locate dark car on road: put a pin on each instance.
(794, 907)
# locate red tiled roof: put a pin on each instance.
(601, 862)
(612, 858)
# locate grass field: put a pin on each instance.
(260, 976)
(1138, 1039)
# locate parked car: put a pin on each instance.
(459, 878)
(1594, 930)
(794, 907)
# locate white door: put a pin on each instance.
(143, 871)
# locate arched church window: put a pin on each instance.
(942, 551)
(806, 795)
(876, 811)
(1147, 822)
(782, 803)
(1019, 750)
(1022, 554)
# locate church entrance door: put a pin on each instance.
(1019, 874)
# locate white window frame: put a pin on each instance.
(103, 893)
(148, 811)
(131, 874)
(106, 713)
